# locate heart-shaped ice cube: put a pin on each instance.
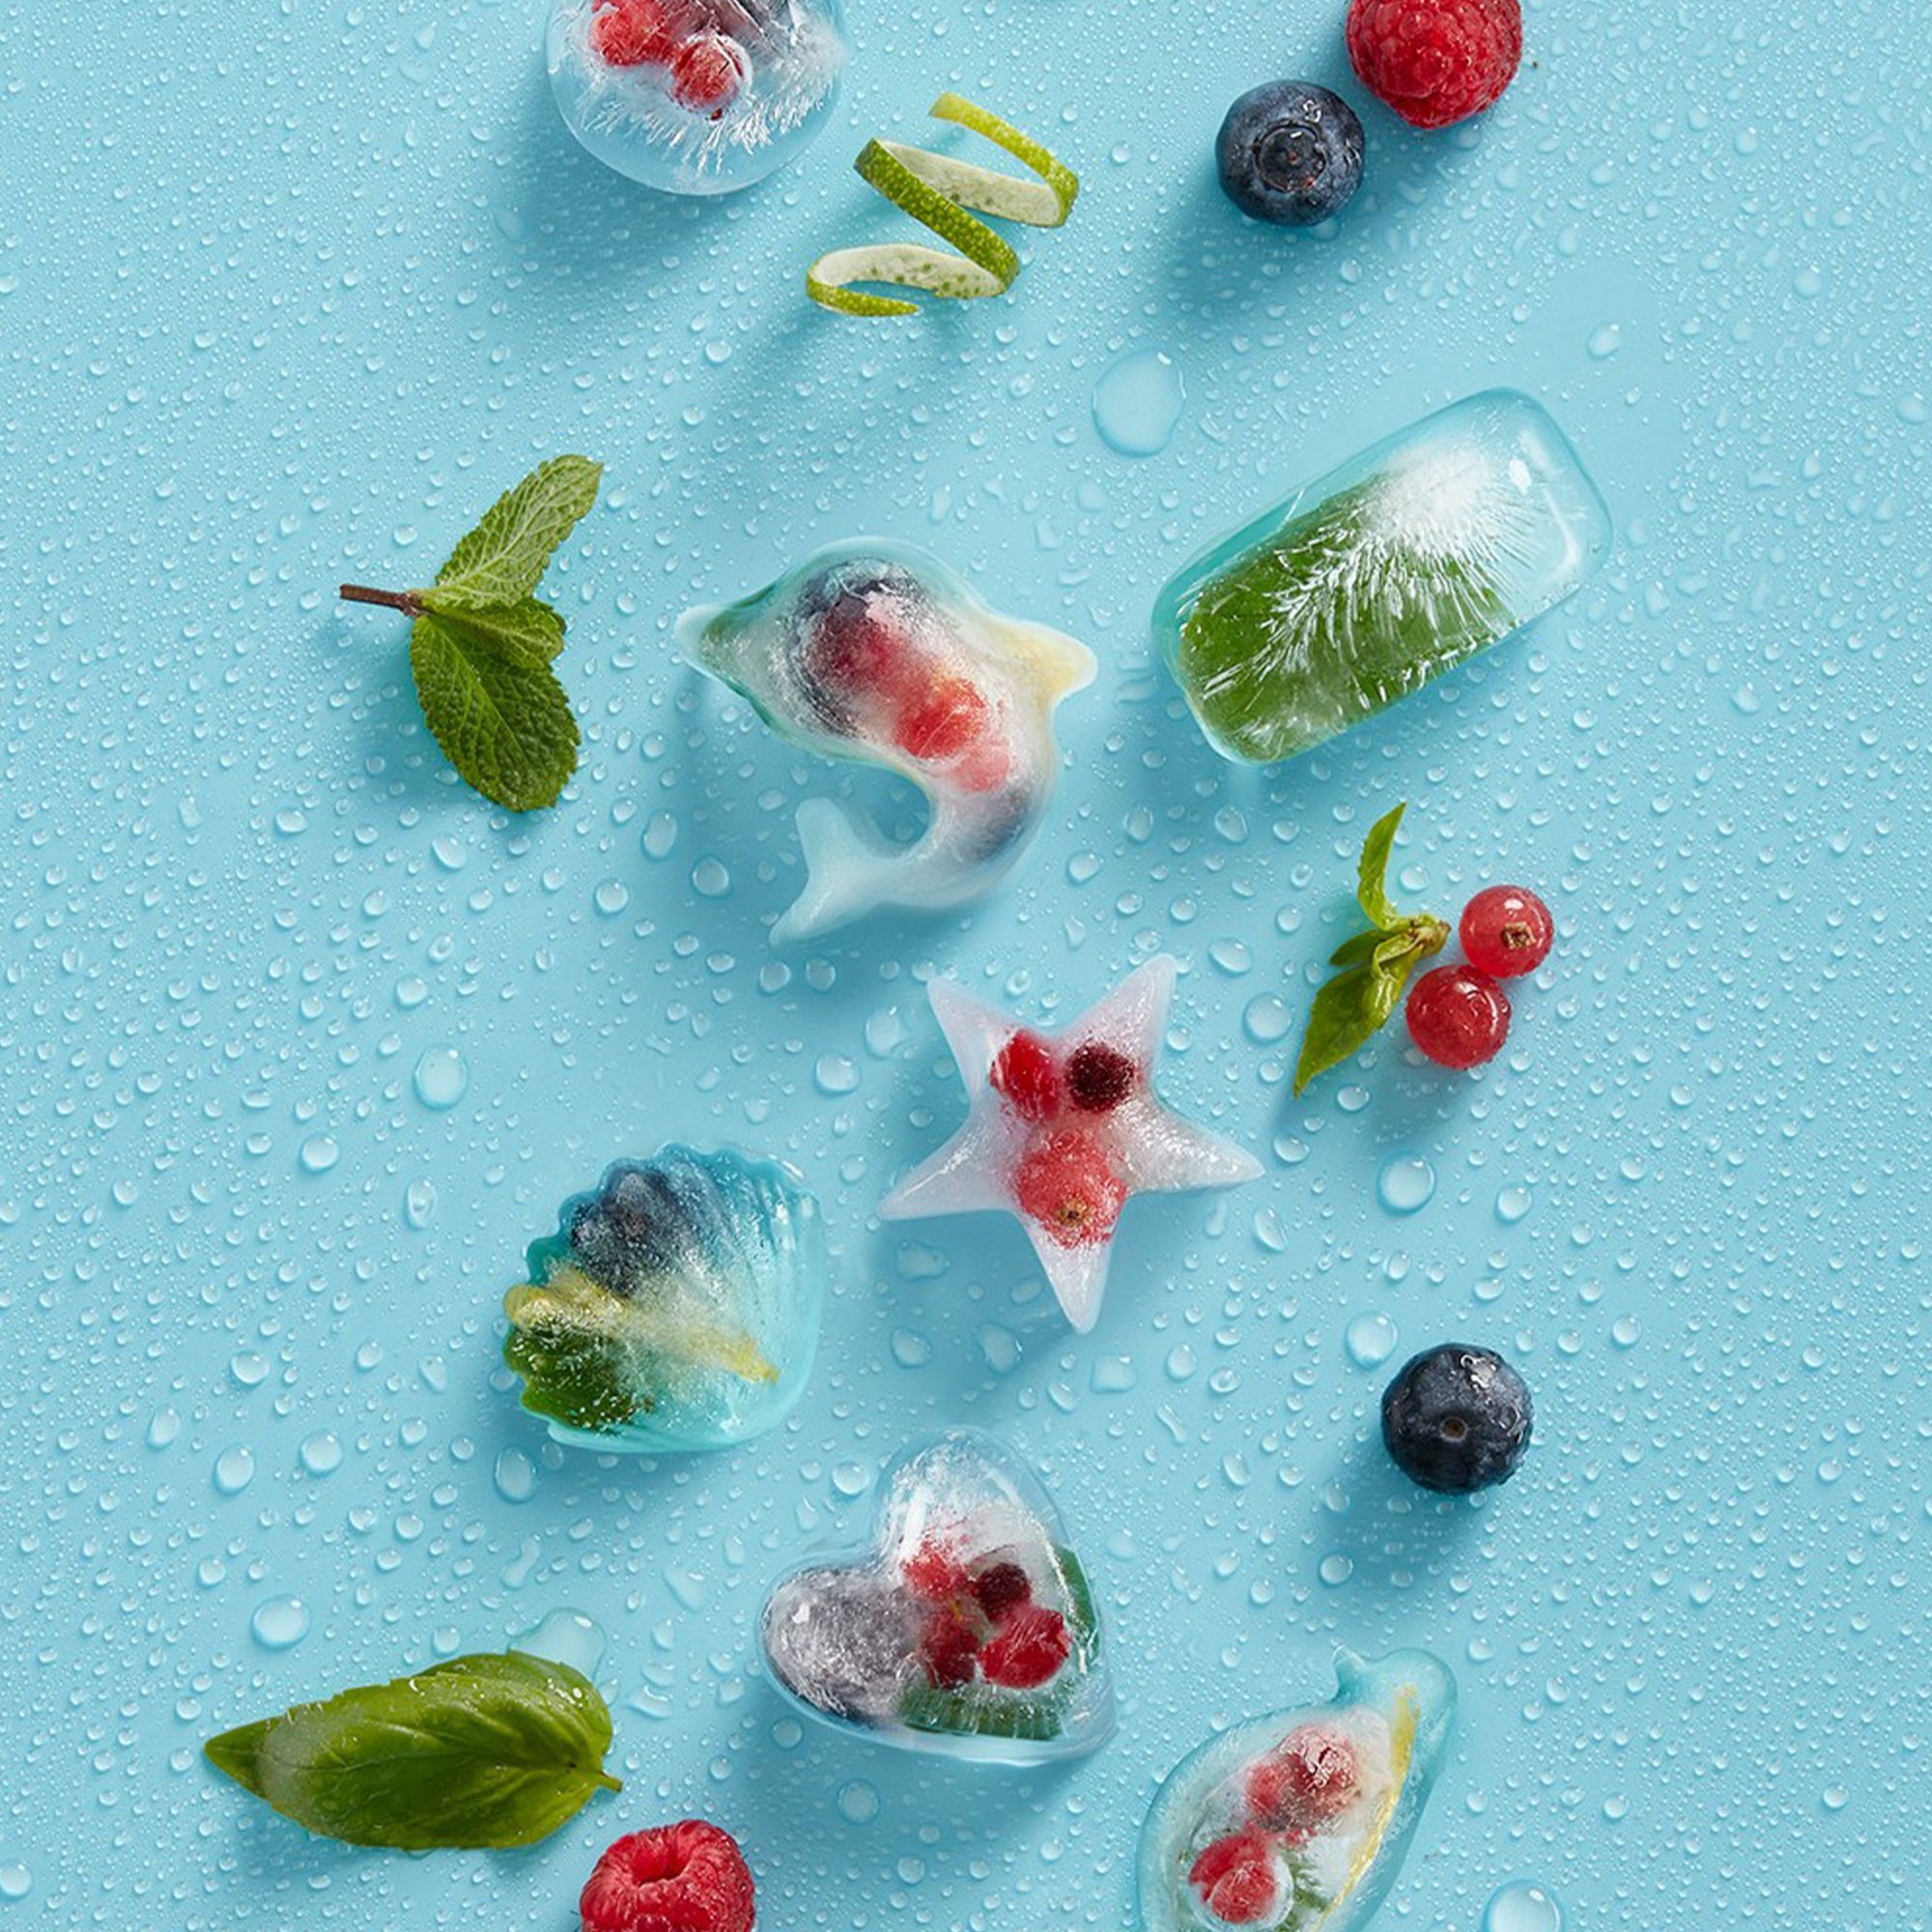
(966, 1626)
(1300, 1819)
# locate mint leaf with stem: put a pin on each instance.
(479, 1752)
(481, 643)
(1351, 1009)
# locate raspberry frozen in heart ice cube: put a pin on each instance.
(966, 1627)
(1061, 1130)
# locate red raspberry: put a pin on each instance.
(1066, 1185)
(1304, 1781)
(706, 72)
(1436, 61)
(1025, 1074)
(678, 1878)
(1506, 931)
(941, 722)
(1032, 1645)
(1099, 1077)
(947, 1649)
(1457, 1016)
(933, 1574)
(1237, 1878)
(631, 33)
(1002, 1588)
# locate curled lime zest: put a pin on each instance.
(937, 190)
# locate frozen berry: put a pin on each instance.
(678, 1878)
(707, 71)
(1457, 1418)
(933, 1574)
(1506, 931)
(1290, 152)
(1305, 1780)
(947, 1649)
(1457, 1016)
(1066, 1185)
(1436, 61)
(1238, 1879)
(1031, 1646)
(1025, 1074)
(631, 33)
(1002, 1588)
(853, 651)
(1099, 1077)
(945, 718)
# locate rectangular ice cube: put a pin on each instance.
(1363, 586)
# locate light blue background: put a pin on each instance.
(287, 293)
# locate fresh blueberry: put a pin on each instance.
(1290, 152)
(1457, 1418)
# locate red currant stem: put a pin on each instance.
(403, 601)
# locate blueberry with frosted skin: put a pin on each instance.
(1457, 1418)
(1290, 152)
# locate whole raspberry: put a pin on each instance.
(1099, 1077)
(707, 71)
(631, 33)
(1238, 1879)
(1436, 61)
(1304, 1781)
(1025, 1074)
(1032, 1645)
(1068, 1186)
(1002, 1588)
(947, 1649)
(689, 1877)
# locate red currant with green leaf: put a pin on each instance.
(1506, 931)
(1457, 1016)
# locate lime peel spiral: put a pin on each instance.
(937, 190)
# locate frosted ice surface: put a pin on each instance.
(1063, 1131)
(781, 59)
(965, 1626)
(878, 652)
(677, 1307)
(1300, 1819)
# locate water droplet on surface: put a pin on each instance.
(1370, 1339)
(1137, 403)
(163, 1425)
(419, 1202)
(1335, 1570)
(15, 1880)
(1408, 1184)
(321, 1454)
(320, 1153)
(234, 1469)
(710, 879)
(1512, 1205)
(442, 1078)
(857, 1801)
(279, 1623)
(1522, 1907)
(565, 1637)
(835, 1074)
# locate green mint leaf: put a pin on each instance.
(478, 1752)
(504, 557)
(1358, 950)
(1342, 1020)
(1369, 888)
(499, 715)
(527, 632)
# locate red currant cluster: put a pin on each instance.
(1065, 1180)
(1460, 1016)
(705, 68)
(1311, 1776)
(982, 1621)
(857, 655)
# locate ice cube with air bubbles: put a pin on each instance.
(1360, 587)
(965, 1626)
(677, 1307)
(694, 97)
(1299, 1819)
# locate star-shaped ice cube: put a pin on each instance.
(1062, 1129)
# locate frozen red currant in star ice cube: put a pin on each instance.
(1099, 1076)
(707, 72)
(1025, 1074)
(1065, 1184)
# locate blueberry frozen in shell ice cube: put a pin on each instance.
(1063, 1129)
(1360, 587)
(694, 97)
(966, 1624)
(677, 1307)
(1299, 1821)
(877, 652)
